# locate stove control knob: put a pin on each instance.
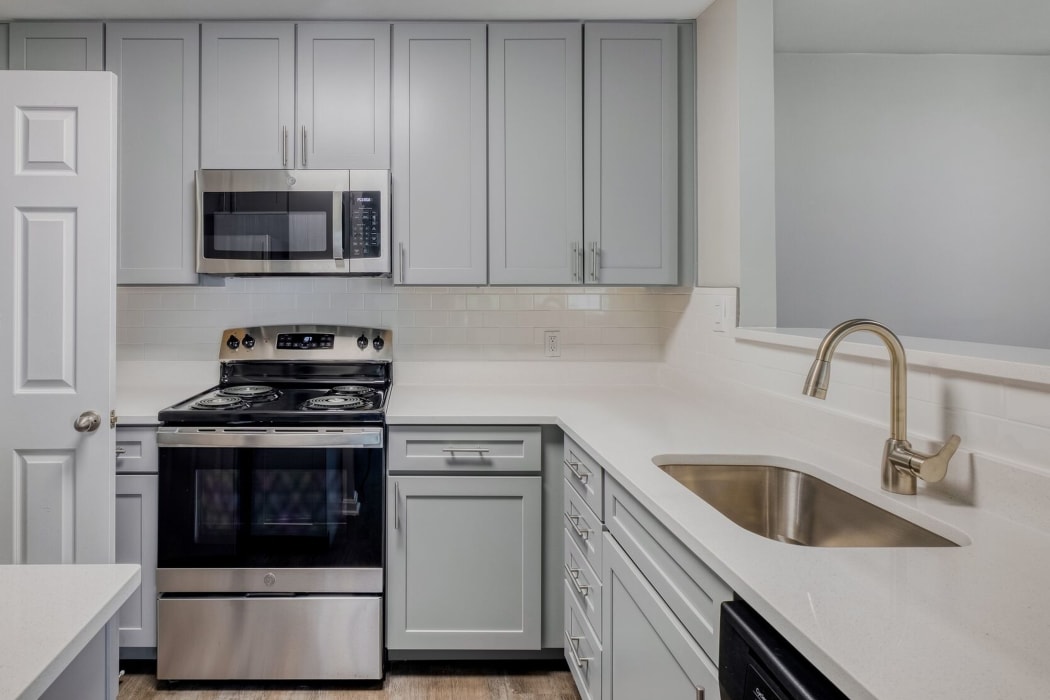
(232, 343)
(249, 342)
(377, 343)
(362, 342)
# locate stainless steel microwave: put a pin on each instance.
(293, 222)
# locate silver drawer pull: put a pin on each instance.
(574, 651)
(121, 451)
(574, 577)
(578, 471)
(582, 532)
(699, 693)
(454, 450)
(397, 505)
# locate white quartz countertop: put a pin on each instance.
(49, 613)
(887, 623)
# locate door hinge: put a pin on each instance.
(113, 418)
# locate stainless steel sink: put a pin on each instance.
(797, 508)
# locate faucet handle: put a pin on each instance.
(934, 467)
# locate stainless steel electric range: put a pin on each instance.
(270, 530)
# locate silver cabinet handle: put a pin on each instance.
(401, 261)
(594, 261)
(574, 578)
(582, 532)
(574, 651)
(574, 263)
(121, 451)
(87, 422)
(284, 145)
(454, 450)
(397, 505)
(579, 262)
(304, 145)
(575, 467)
(699, 693)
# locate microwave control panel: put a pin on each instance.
(364, 224)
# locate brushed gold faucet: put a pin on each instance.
(900, 463)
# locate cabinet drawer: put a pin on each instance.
(137, 450)
(583, 651)
(583, 528)
(584, 584)
(692, 591)
(473, 449)
(585, 475)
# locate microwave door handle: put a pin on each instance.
(341, 218)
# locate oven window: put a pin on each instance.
(268, 225)
(272, 507)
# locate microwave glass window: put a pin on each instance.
(268, 225)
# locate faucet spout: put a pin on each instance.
(820, 372)
(900, 464)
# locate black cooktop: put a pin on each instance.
(283, 404)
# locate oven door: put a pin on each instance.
(270, 510)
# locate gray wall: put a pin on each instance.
(915, 189)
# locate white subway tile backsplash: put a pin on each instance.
(446, 323)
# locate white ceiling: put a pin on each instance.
(353, 9)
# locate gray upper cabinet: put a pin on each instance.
(3, 46)
(463, 562)
(247, 95)
(55, 46)
(439, 154)
(158, 67)
(343, 95)
(647, 651)
(535, 153)
(630, 153)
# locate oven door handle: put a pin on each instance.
(171, 436)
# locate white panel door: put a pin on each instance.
(343, 95)
(57, 300)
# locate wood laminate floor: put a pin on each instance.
(404, 680)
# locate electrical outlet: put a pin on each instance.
(719, 325)
(551, 344)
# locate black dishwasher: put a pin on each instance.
(756, 663)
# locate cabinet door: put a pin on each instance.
(3, 46)
(343, 95)
(439, 165)
(247, 95)
(158, 67)
(647, 652)
(463, 563)
(630, 153)
(535, 153)
(56, 46)
(136, 525)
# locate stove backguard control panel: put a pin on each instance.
(307, 342)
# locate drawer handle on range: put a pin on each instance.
(574, 651)
(575, 468)
(397, 505)
(454, 450)
(582, 532)
(574, 577)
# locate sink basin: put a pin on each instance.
(797, 508)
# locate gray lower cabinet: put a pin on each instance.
(247, 95)
(55, 46)
(535, 153)
(630, 150)
(158, 64)
(647, 652)
(136, 528)
(463, 563)
(439, 167)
